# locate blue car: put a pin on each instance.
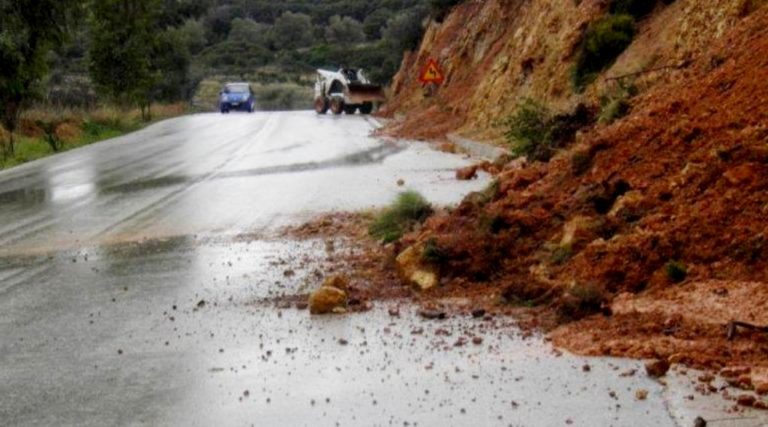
(237, 97)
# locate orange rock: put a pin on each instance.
(467, 173)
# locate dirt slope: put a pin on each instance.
(680, 185)
(495, 52)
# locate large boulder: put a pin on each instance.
(413, 271)
(331, 297)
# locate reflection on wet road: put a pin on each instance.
(208, 174)
(126, 298)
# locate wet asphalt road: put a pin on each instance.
(131, 275)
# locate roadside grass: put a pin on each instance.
(76, 128)
(409, 209)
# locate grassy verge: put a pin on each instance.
(41, 130)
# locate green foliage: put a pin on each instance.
(344, 31)
(604, 41)
(283, 96)
(292, 30)
(29, 30)
(409, 209)
(529, 129)
(536, 132)
(122, 48)
(615, 104)
(375, 22)
(192, 32)
(676, 271)
(404, 30)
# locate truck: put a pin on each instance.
(346, 91)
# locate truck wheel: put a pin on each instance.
(337, 106)
(350, 109)
(366, 108)
(321, 105)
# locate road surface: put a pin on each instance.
(131, 270)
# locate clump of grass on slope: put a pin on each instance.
(410, 208)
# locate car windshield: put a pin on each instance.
(236, 88)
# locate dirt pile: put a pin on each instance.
(675, 192)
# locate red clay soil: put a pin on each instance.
(683, 178)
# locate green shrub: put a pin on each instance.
(604, 41)
(676, 271)
(615, 104)
(409, 209)
(529, 129)
(534, 131)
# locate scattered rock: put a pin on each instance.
(342, 341)
(478, 313)
(699, 422)
(201, 303)
(586, 368)
(413, 271)
(746, 400)
(400, 182)
(641, 394)
(331, 297)
(302, 305)
(657, 368)
(432, 314)
(467, 173)
(394, 312)
(761, 388)
(477, 340)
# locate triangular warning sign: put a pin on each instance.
(431, 73)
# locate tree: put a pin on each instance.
(29, 30)
(249, 31)
(344, 30)
(130, 54)
(292, 31)
(404, 31)
(375, 23)
(192, 32)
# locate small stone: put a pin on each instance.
(394, 312)
(641, 394)
(327, 300)
(477, 340)
(400, 182)
(302, 305)
(467, 173)
(342, 341)
(586, 368)
(478, 313)
(432, 314)
(657, 368)
(746, 400)
(201, 303)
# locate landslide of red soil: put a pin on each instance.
(684, 178)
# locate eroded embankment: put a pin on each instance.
(662, 231)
